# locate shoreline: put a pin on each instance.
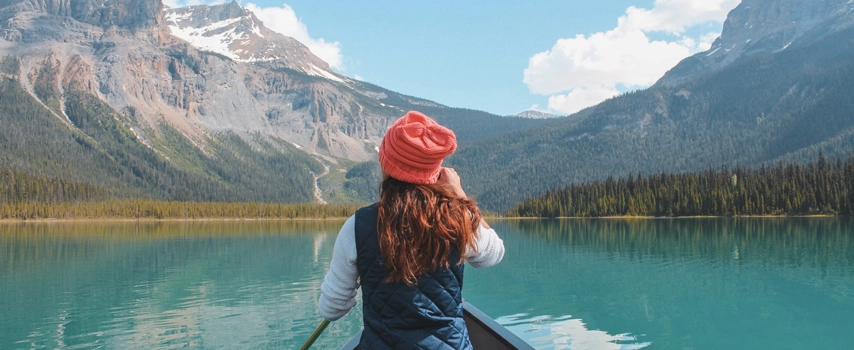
(667, 217)
(234, 219)
(128, 220)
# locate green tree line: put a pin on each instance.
(27, 196)
(151, 209)
(20, 187)
(822, 187)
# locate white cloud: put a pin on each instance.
(580, 98)
(707, 40)
(602, 59)
(285, 21)
(675, 16)
(582, 71)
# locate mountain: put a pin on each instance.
(196, 103)
(236, 33)
(762, 27)
(531, 114)
(786, 97)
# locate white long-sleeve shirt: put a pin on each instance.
(338, 291)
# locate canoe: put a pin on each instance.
(484, 333)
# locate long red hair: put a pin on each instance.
(418, 225)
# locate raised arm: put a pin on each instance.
(489, 248)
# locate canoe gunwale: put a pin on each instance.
(496, 330)
(471, 314)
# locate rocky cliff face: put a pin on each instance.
(33, 21)
(121, 13)
(201, 70)
(763, 27)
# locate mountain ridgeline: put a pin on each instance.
(138, 101)
(769, 104)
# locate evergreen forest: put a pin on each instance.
(25, 196)
(158, 210)
(819, 188)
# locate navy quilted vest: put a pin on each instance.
(428, 315)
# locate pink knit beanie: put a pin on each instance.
(414, 147)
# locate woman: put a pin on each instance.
(409, 248)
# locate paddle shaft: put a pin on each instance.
(320, 328)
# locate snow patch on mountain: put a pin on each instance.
(317, 71)
(532, 114)
(213, 37)
(234, 32)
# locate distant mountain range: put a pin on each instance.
(776, 86)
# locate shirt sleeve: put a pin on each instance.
(489, 248)
(338, 291)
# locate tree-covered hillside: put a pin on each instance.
(786, 105)
(93, 149)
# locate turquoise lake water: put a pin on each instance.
(757, 283)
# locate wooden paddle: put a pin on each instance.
(311, 339)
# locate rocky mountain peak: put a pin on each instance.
(763, 27)
(203, 15)
(38, 20)
(234, 32)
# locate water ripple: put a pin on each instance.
(565, 332)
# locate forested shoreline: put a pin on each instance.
(163, 210)
(25, 196)
(818, 188)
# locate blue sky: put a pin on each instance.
(500, 57)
